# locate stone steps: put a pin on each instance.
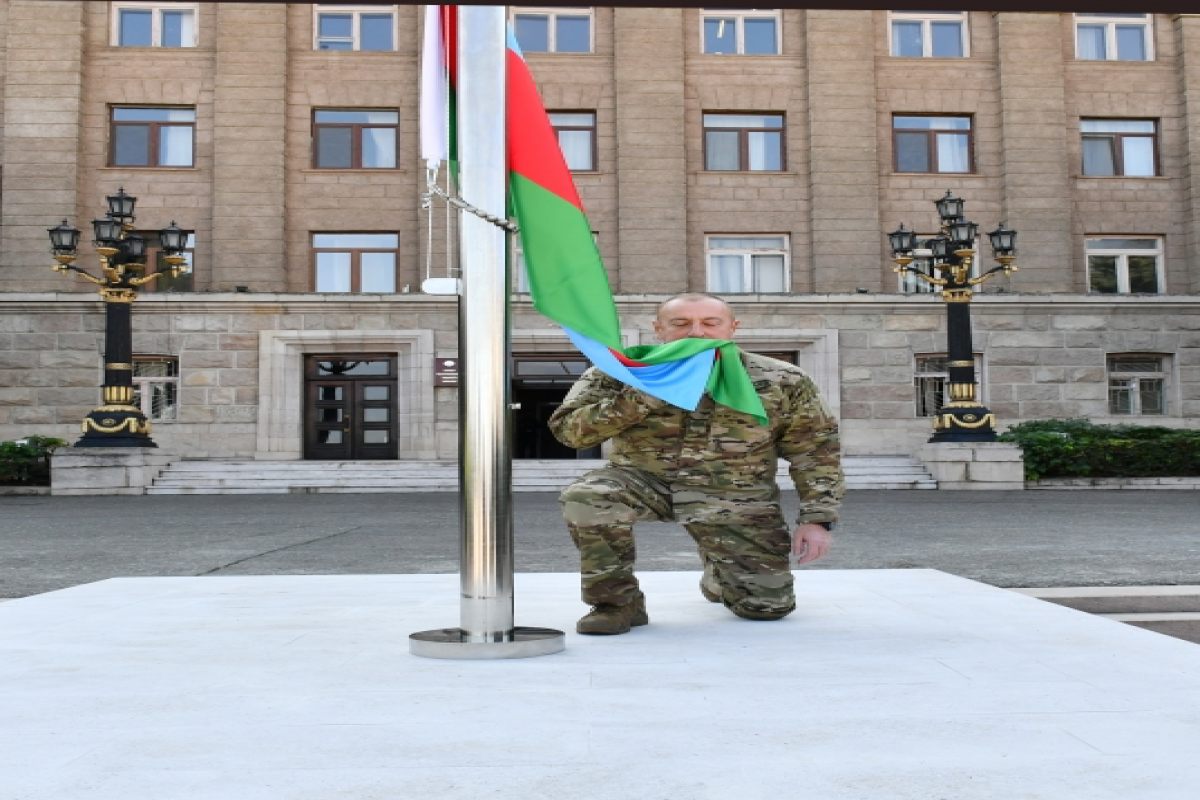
(308, 477)
(1169, 610)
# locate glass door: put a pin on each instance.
(351, 407)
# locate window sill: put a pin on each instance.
(152, 169)
(743, 172)
(343, 171)
(154, 47)
(939, 59)
(938, 174)
(1122, 177)
(368, 53)
(745, 55)
(1113, 61)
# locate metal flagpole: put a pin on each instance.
(486, 556)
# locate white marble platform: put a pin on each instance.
(886, 685)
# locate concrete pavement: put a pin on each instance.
(1006, 539)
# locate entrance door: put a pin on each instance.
(540, 384)
(350, 407)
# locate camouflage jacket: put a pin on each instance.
(716, 448)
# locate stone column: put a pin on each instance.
(43, 92)
(652, 166)
(847, 236)
(1035, 173)
(249, 131)
(1187, 28)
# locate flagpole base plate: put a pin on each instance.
(452, 643)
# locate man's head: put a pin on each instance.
(694, 315)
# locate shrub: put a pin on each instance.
(26, 462)
(1066, 448)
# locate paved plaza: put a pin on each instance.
(1083, 538)
(884, 685)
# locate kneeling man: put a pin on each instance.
(712, 469)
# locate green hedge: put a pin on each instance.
(26, 462)
(1076, 448)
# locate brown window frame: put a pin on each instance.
(593, 130)
(744, 141)
(355, 138)
(1119, 146)
(355, 259)
(152, 154)
(931, 144)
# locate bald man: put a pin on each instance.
(712, 469)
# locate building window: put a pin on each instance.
(932, 144)
(743, 32)
(519, 277)
(355, 262)
(576, 131)
(352, 28)
(156, 387)
(1113, 147)
(1125, 266)
(153, 25)
(554, 30)
(930, 377)
(155, 263)
(1113, 37)
(922, 260)
(747, 264)
(1137, 385)
(353, 139)
(151, 137)
(929, 34)
(743, 142)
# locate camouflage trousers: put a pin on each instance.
(744, 543)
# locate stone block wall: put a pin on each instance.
(1043, 356)
(254, 199)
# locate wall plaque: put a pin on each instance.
(445, 372)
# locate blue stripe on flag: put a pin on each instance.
(681, 383)
(511, 37)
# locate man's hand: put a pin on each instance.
(810, 541)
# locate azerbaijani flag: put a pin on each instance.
(566, 276)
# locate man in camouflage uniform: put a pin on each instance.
(712, 469)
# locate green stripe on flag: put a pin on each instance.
(729, 384)
(566, 276)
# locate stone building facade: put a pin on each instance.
(1068, 335)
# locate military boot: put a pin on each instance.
(709, 587)
(606, 619)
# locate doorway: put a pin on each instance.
(540, 384)
(350, 407)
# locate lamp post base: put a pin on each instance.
(964, 423)
(451, 643)
(115, 426)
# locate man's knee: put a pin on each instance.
(593, 502)
(760, 595)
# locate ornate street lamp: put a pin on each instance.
(962, 418)
(950, 208)
(117, 423)
(120, 207)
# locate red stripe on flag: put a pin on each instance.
(533, 150)
(624, 359)
(449, 15)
